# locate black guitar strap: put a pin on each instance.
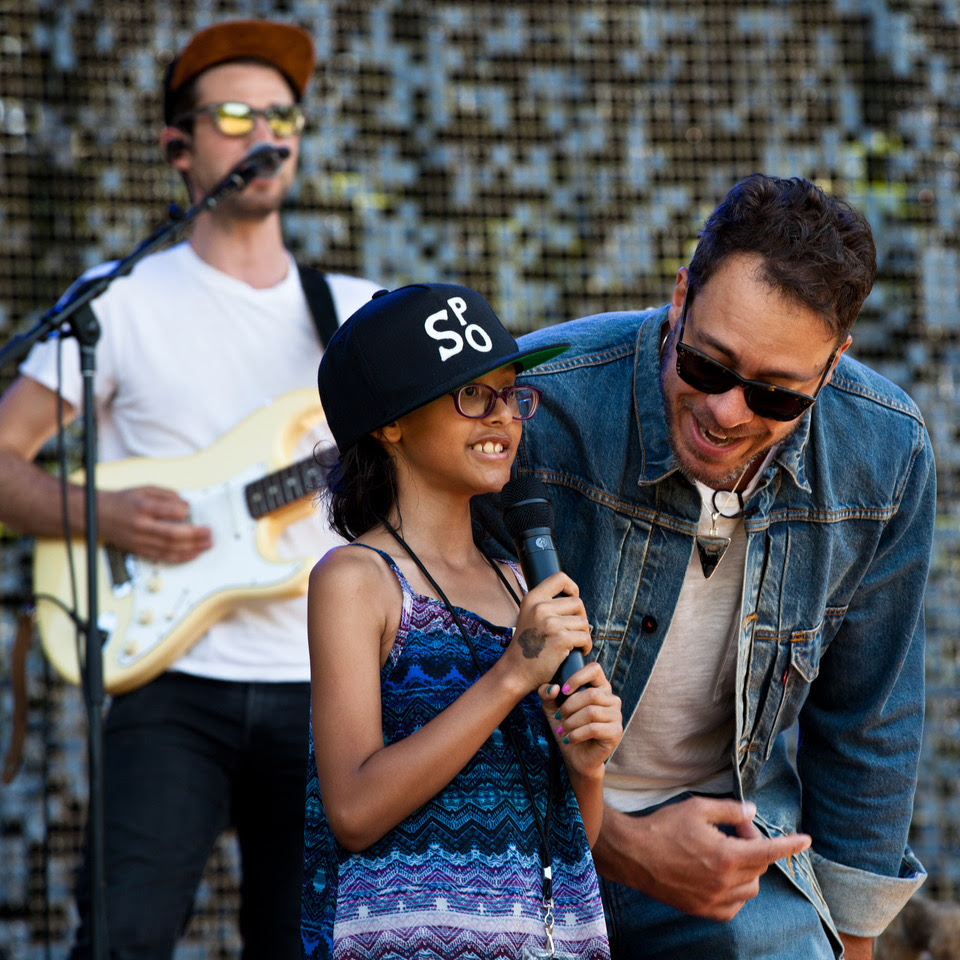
(320, 300)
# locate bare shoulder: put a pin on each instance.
(353, 594)
(352, 574)
(349, 567)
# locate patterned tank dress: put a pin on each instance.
(460, 878)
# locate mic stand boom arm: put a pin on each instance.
(83, 324)
(60, 314)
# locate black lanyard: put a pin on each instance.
(542, 823)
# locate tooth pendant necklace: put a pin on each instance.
(712, 547)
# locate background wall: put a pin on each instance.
(557, 156)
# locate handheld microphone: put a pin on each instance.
(528, 516)
(262, 160)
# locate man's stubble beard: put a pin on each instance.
(669, 416)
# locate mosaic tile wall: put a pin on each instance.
(557, 156)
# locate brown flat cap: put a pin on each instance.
(285, 46)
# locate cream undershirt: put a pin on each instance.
(680, 736)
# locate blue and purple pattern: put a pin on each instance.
(459, 879)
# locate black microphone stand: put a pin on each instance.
(76, 314)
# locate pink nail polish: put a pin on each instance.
(566, 688)
(559, 731)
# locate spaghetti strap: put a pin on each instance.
(407, 605)
(404, 583)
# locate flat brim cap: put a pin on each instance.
(285, 46)
(406, 348)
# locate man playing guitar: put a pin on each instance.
(197, 339)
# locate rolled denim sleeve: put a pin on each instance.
(861, 727)
(863, 903)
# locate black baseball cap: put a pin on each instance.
(405, 348)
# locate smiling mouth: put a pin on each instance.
(718, 439)
(488, 447)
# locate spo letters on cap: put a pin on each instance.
(474, 335)
(405, 348)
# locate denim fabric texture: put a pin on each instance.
(778, 922)
(839, 534)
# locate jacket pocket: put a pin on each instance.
(781, 669)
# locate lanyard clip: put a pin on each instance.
(548, 910)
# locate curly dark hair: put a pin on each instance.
(815, 249)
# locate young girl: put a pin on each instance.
(449, 827)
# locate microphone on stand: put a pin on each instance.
(262, 160)
(528, 516)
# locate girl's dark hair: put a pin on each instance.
(360, 487)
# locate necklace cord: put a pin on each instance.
(718, 511)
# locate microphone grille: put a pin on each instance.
(524, 505)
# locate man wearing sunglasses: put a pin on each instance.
(199, 337)
(748, 513)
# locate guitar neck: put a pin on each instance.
(283, 487)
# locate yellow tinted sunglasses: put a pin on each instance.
(238, 119)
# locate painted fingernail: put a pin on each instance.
(557, 715)
(566, 739)
(559, 731)
(566, 688)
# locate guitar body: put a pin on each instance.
(153, 612)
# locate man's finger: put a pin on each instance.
(730, 813)
(787, 846)
(767, 850)
(748, 830)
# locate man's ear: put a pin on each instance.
(840, 352)
(175, 145)
(679, 294)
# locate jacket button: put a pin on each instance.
(648, 624)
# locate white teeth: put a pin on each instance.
(488, 447)
(716, 437)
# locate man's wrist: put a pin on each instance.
(857, 948)
(617, 847)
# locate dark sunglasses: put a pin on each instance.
(707, 375)
(238, 119)
(478, 400)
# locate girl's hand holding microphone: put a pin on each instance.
(551, 623)
(588, 725)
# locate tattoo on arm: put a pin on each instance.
(531, 643)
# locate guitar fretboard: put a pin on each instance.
(282, 488)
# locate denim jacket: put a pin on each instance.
(839, 535)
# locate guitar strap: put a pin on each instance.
(320, 300)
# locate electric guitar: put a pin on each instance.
(153, 612)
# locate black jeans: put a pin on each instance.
(185, 757)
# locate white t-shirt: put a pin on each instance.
(187, 352)
(680, 736)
